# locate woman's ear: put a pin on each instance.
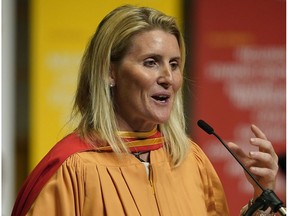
(112, 76)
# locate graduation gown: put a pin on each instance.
(89, 182)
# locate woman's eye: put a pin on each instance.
(150, 63)
(174, 65)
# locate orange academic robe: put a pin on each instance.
(104, 183)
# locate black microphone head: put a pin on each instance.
(204, 126)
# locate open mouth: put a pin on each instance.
(161, 98)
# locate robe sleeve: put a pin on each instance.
(45, 170)
(64, 193)
(215, 198)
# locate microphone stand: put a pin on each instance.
(267, 199)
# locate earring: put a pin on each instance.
(111, 85)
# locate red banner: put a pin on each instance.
(238, 80)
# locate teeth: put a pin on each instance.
(161, 97)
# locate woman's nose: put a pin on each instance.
(166, 78)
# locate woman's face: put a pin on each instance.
(146, 81)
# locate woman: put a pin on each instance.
(129, 154)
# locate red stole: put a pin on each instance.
(68, 146)
(44, 171)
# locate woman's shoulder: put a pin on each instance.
(196, 152)
(93, 158)
(83, 158)
(196, 149)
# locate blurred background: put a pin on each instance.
(235, 76)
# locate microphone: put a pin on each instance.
(208, 129)
(267, 198)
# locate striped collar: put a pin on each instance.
(140, 141)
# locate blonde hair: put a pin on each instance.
(94, 101)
